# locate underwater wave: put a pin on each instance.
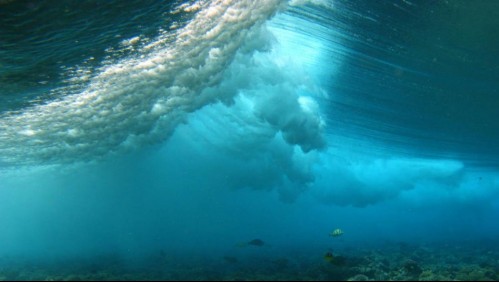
(191, 126)
(302, 89)
(350, 75)
(142, 97)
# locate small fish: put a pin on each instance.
(254, 242)
(329, 256)
(335, 260)
(336, 233)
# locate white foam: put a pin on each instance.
(367, 180)
(137, 100)
(321, 3)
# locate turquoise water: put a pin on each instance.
(142, 134)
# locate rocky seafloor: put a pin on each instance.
(478, 261)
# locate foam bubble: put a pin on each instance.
(138, 99)
(368, 181)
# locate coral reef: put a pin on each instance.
(396, 262)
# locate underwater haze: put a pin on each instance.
(249, 140)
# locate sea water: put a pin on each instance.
(157, 139)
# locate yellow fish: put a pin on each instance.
(335, 260)
(336, 233)
(329, 257)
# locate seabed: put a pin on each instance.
(464, 261)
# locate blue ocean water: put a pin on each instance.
(166, 135)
